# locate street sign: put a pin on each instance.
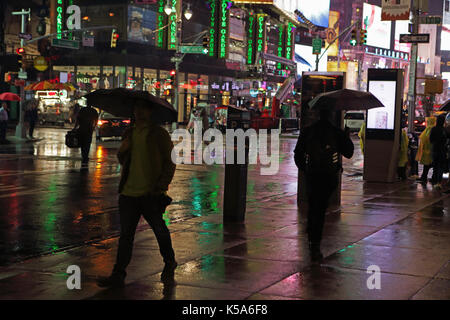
(175, 59)
(430, 20)
(193, 49)
(415, 38)
(23, 75)
(25, 36)
(19, 83)
(317, 45)
(64, 43)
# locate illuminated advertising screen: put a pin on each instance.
(401, 27)
(306, 60)
(317, 11)
(378, 32)
(382, 118)
(445, 37)
(141, 23)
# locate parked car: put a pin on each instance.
(354, 120)
(110, 126)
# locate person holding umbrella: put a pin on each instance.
(86, 121)
(3, 122)
(147, 171)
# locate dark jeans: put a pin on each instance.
(425, 171)
(3, 126)
(320, 187)
(85, 144)
(131, 209)
(31, 129)
(438, 171)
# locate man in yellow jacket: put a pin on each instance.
(147, 171)
(424, 155)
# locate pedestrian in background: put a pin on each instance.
(147, 171)
(31, 116)
(403, 156)
(424, 151)
(86, 121)
(3, 122)
(438, 139)
(317, 154)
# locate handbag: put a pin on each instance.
(73, 139)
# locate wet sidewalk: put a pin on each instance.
(403, 228)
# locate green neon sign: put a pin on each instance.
(172, 45)
(59, 18)
(213, 29)
(223, 29)
(280, 45)
(260, 34)
(161, 23)
(290, 29)
(250, 39)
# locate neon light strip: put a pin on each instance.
(280, 44)
(172, 45)
(223, 29)
(250, 39)
(260, 34)
(213, 29)
(160, 21)
(59, 18)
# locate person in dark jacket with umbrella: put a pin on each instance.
(31, 116)
(438, 139)
(321, 175)
(86, 121)
(147, 172)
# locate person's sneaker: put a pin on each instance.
(113, 281)
(169, 271)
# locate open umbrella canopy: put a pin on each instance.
(120, 102)
(445, 106)
(41, 85)
(9, 96)
(346, 99)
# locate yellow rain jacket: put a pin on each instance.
(403, 158)
(424, 151)
(362, 136)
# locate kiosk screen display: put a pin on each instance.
(382, 118)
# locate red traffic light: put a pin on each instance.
(116, 36)
(173, 72)
(20, 50)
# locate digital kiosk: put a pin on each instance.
(383, 126)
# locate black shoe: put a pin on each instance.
(113, 281)
(168, 272)
(314, 251)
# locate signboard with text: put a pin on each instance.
(395, 10)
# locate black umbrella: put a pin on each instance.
(445, 106)
(120, 102)
(346, 99)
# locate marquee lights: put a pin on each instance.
(59, 18)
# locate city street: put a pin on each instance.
(54, 215)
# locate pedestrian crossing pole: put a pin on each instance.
(413, 70)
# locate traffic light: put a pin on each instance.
(353, 39)
(114, 38)
(8, 77)
(363, 37)
(20, 52)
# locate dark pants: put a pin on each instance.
(31, 129)
(425, 171)
(85, 144)
(320, 187)
(3, 126)
(438, 171)
(131, 209)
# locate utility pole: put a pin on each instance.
(20, 128)
(413, 70)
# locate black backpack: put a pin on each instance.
(321, 151)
